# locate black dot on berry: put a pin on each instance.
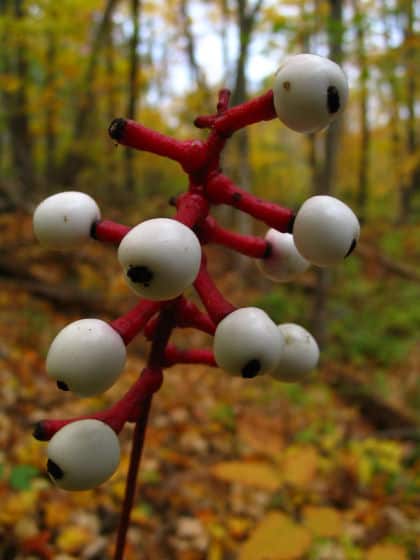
(140, 275)
(63, 386)
(333, 99)
(251, 369)
(352, 247)
(54, 470)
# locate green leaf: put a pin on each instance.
(21, 476)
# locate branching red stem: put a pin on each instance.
(189, 154)
(174, 355)
(192, 209)
(130, 324)
(211, 232)
(221, 190)
(255, 110)
(214, 302)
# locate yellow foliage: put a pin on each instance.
(16, 506)
(9, 83)
(257, 474)
(276, 538)
(300, 465)
(57, 514)
(73, 539)
(386, 552)
(323, 521)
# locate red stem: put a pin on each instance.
(192, 209)
(189, 154)
(131, 483)
(124, 410)
(214, 302)
(157, 352)
(109, 232)
(255, 110)
(174, 355)
(211, 232)
(130, 324)
(221, 190)
(188, 315)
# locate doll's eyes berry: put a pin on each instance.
(325, 230)
(310, 91)
(160, 257)
(299, 356)
(247, 343)
(65, 220)
(86, 357)
(82, 455)
(283, 262)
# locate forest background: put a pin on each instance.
(232, 470)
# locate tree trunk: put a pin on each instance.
(76, 156)
(246, 17)
(50, 111)
(411, 185)
(133, 93)
(319, 319)
(197, 73)
(364, 160)
(15, 62)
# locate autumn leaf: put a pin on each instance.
(387, 552)
(276, 538)
(256, 474)
(73, 539)
(300, 465)
(323, 521)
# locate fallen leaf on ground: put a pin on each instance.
(276, 538)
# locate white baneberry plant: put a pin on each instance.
(162, 257)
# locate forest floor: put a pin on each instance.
(232, 469)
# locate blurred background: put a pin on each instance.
(232, 470)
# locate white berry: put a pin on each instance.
(283, 262)
(83, 455)
(300, 353)
(325, 230)
(161, 258)
(86, 357)
(310, 91)
(247, 343)
(65, 220)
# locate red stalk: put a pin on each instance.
(192, 209)
(214, 302)
(174, 355)
(221, 190)
(211, 232)
(189, 154)
(188, 315)
(163, 332)
(130, 324)
(255, 110)
(130, 488)
(118, 414)
(109, 232)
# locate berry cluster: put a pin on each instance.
(163, 257)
